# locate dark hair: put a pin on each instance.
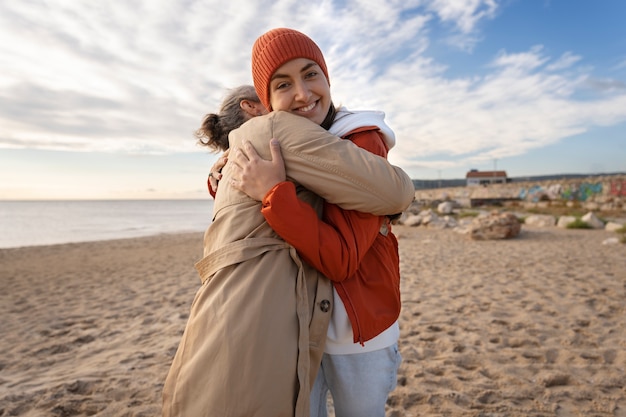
(216, 127)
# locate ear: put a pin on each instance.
(252, 108)
(246, 106)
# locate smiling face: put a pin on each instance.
(300, 87)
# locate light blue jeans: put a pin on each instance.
(359, 383)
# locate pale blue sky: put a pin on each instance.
(100, 100)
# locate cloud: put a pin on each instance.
(518, 106)
(137, 77)
(606, 85)
(464, 14)
(565, 61)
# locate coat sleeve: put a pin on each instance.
(337, 170)
(335, 245)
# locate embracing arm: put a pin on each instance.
(335, 245)
(215, 174)
(335, 169)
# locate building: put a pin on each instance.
(475, 177)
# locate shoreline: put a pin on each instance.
(534, 325)
(98, 240)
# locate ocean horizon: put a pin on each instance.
(50, 222)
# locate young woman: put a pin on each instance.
(357, 251)
(257, 326)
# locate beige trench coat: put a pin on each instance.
(258, 323)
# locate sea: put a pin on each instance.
(35, 223)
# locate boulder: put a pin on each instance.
(564, 221)
(437, 223)
(613, 226)
(495, 226)
(428, 216)
(450, 222)
(412, 220)
(445, 208)
(540, 220)
(593, 221)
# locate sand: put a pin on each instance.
(533, 326)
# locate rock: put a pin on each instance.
(414, 208)
(540, 220)
(495, 226)
(608, 207)
(610, 241)
(466, 221)
(612, 226)
(464, 226)
(593, 221)
(564, 221)
(437, 223)
(412, 220)
(450, 222)
(428, 216)
(463, 230)
(445, 208)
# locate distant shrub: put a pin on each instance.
(579, 224)
(622, 230)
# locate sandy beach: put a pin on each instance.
(532, 326)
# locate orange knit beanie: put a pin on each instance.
(276, 47)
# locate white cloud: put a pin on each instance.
(464, 14)
(521, 61)
(565, 61)
(139, 76)
(517, 107)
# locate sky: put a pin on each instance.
(99, 100)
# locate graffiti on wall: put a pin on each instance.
(572, 192)
(539, 193)
(618, 188)
(582, 192)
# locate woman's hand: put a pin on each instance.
(254, 175)
(215, 174)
